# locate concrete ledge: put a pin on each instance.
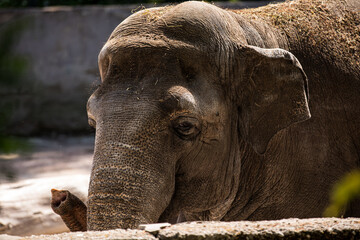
(113, 234)
(316, 228)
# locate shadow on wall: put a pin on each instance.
(12, 83)
(54, 74)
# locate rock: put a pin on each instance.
(153, 228)
(317, 228)
(111, 234)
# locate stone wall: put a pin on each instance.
(60, 45)
(316, 229)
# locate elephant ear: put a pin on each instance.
(274, 94)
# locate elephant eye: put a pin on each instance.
(186, 127)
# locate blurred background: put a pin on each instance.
(48, 69)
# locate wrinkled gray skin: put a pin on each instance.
(201, 116)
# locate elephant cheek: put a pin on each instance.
(126, 190)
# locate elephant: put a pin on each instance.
(225, 115)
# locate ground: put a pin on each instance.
(26, 180)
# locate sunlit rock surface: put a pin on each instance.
(317, 228)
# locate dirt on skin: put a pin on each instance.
(329, 28)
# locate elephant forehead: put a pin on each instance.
(144, 42)
(196, 23)
(197, 15)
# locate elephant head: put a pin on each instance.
(181, 91)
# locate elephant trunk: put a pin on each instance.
(126, 188)
(70, 208)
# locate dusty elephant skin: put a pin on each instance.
(204, 114)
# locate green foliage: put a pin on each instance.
(11, 66)
(346, 190)
(11, 71)
(10, 144)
